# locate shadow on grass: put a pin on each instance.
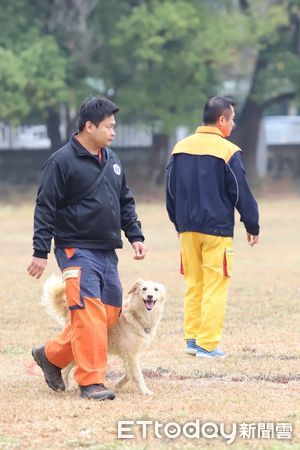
(164, 374)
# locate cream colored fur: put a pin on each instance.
(130, 336)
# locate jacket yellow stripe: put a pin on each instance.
(207, 141)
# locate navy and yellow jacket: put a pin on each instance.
(205, 182)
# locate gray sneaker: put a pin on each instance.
(96, 392)
(52, 373)
(217, 353)
(191, 347)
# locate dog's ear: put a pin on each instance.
(136, 286)
(162, 289)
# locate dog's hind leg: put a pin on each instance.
(122, 381)
(136, 374)
(125, 377)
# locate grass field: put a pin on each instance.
(258, 382)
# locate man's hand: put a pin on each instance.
(252, 239)
(36, 267)
(140, 250)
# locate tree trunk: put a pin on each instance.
(71, 119)
(158, 158)
(53, 123)
(246, 134)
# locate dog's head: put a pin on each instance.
(149, 292)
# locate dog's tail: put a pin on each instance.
(54, 299)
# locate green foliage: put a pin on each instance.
(16, 23)
(45, 69)
(262, 39)
(167, 53)
(12, 85)
(159, 59)
(32, 66)
(33, 79)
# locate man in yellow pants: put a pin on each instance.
(205, 183)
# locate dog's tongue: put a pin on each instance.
(149, 304)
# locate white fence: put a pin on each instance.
(35, 136)
(23, 136)
(133, 136)
(282, 135)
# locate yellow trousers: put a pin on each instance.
(207, 264)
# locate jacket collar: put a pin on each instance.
(209, 130)
(79, 149)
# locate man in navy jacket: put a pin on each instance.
(205, 183)
(83, 202)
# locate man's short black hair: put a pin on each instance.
(95, 109)
(215, 107)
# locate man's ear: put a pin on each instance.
(221, 119)
(89, 126)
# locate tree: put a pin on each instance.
(158, 59)
(167, 59)
(81, 29)
(34, 64)
(56, 50)
(272, 28)
(12, 85)
(172, 55)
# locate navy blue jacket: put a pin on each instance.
(95, 220)
(205, 183)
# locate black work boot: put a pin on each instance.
(96, 392)
(52, 373)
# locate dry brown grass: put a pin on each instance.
(259, 381)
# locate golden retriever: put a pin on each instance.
(130, 336)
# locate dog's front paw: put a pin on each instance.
(121, 383)
(147, 392)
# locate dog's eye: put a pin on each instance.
(156, 289)
(144, 288)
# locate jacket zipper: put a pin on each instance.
(111, 202)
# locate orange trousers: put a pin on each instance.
(92, 281)
(84, 340)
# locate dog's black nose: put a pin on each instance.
(149, 297)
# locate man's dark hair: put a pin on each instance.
(215, 107)
(95, 109)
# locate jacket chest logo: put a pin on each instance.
(117, 169)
